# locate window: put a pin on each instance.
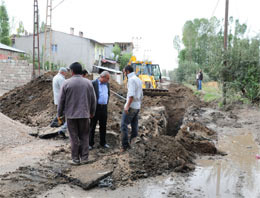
(54, 48)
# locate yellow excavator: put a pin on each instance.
(150, 75)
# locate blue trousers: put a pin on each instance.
(200, 85)
(130, 118)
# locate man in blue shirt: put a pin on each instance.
(102, 90)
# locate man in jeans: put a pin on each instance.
(131, 108)
(200, 78)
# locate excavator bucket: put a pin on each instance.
(156, 92)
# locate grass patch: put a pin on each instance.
(212, 93)
(209, 93)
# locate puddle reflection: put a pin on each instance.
(235, 175)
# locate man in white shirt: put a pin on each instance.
(132, 107)
(57, 83)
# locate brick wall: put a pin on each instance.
(14, 73)
(6, 54)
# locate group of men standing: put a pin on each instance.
(84, 103)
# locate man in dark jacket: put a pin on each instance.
(78, 103)
(200, 78)
(102, 90)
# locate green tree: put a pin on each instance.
(20, 30)
(117, 51)
(173, 75)
(203, 46)
(203, 49)
(164, 72)
(124, 59)
(177, 43)
(4, 26)
(42, 28)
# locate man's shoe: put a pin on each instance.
(106, 146)
(125, 148)
(62, 133)
(84, 162)
(75, 162)
(54, 124)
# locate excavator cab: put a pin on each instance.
(150, 75)
(156, 72)
(144, 72)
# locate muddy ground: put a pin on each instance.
(172, 135)
(233, 175)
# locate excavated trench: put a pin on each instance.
(165, 142)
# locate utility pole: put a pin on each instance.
(47, 51)
(225, 51)
(36, 51)
(48, 35)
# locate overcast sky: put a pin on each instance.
(156, 22)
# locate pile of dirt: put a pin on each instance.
(31, 104)
(13, 133)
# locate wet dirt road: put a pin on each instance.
(235, 175)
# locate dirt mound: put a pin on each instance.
(181, 98)
(31, 104)
(13, 133)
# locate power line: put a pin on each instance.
(214, 9)
(58, 4)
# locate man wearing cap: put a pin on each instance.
(57, 83)
(78, 103)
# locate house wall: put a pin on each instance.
(125, 48)
(99, 51)
(6, 54)
(25, 43)
(109, 50)
(129, 48)
(91, 57)
(14, 73)
(68, 48)
(71, 49)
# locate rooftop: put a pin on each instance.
(6, 47)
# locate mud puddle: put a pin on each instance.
(235, 175)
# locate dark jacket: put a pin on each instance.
(95, 85)
(200, 76)
(77, 98)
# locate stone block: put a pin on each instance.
(87, 176)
